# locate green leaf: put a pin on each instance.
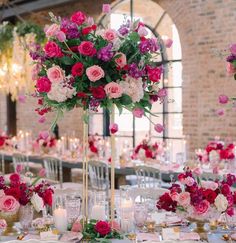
(125, 99)
(73, 42)
(134, 37)
(67, 60)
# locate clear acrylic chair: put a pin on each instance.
(98, 175)
(148, 177)
(2, 164)
(53, 167)
(20, 160)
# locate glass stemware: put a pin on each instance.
(140, 214)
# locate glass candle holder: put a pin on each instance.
(60, 215)
(73, 208)
(99, 206)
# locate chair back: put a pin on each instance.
(53, 167)
(20, 160)
(148, 177)
(98, 175)
(210, 176)
(2, 163)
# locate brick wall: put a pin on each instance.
(204, 26)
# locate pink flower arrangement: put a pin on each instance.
(200, 200)
(46, 140)
(82, 67)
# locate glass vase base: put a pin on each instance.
(11, 231)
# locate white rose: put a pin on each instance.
(37, 202)
(221, 203)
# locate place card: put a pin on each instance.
(48, 235)
(171, 233)
(152, 237)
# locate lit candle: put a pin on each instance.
(98, 212)
(127, 215)
(60, 219)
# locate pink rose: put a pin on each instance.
(121, 59)
(174, 196)
(86, 48)
(3, 224)
(168, 42)
(106, 8)
(162, 93)
(113, 128)
(44, 135)
(55, 74)
(21, 98)
(209, 185)
(95, 73)
(61, 36)
(78, 18)
(220, 112)
(113, 90)
(159, 128)
(110, 35)
(142, 31)
(42, 172)
(197, 171)
(189, 181)
(77, 226)
(42, 119)
(230, 68)
(202, 207)
(9, 204)
(43, 85)
(223, 99)
(52, 49)
(184, 199)
(52, 30)
(233, 49)
(138, 112)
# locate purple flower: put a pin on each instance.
(135, 72)
(69, 28)
(231, 58)
(233, 49)
(124, 28)
(148, 45)
(93, 104)
(105, 54)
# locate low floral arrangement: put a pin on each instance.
(3, 139)
(98, 231)
(83, 66)
(17, 192)
(216, 151)
(92, 140)
(45, 140)
(199, 200)
(146, 150)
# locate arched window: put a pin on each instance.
(133, 130)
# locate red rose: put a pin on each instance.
(113, 128)
(14, 192)
(154, 74)
(52, 49)
(225, 189)
(47, 197)
(210, 195)
(14, 178)
(43, 85)
(86, 30)
(98, 92)
(40, 101)
(78, 18)
(78, 69)
(87, 48)
(81, 95)
(103, 228)
(2, 141)
(93, 149)
(148, 153)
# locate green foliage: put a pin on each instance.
(6, 36)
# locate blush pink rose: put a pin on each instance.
(197, 171)
(110, 35)
(113, 90)
(209, 185)
(43, 84)
(184, 199)
(61, 36)
(189, 181)
(44, 135)
(142, 31)
(52, 30)
(174, 196)
(55, 74)
(9, 204)
(3, 224)
(77, 226)
(138, 112)
(95, 73)
(42, 172)
(159, 128)
(86, 48)
(202, 207)
(121, 59)
(230, 68)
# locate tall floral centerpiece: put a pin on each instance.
(83, 66)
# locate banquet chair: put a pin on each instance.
(53, 167)
(148, 177)
(2, 165)
(98, 175)
(210, 176)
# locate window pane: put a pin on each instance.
(176, 149)
(174, 101)
(174, 124)
(142, 128)
(174, 74)
(125, 122)
(96, 124)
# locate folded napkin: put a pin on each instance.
(172, 233)
(70, 236)
(189, 236)
(148, 237)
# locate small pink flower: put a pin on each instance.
(197, 171)
(42, 173)
(44, 135)
(138, 112)
(189, 181)
(142, 31)
(52, 30)
(168, 42)
(113, 90)
(42, 119)
(113, 128)
(202, 207)
(19, 168)
(95, 73)
(184, 199)
(223, 99)
(77, 226)
(21, 98)
(230, 68)
(106, 8)
(121, 60)
(230, 211)
(220, 112)
(110, 35)
(162, 93)
(115, 226)
(159, 128)
(61, 36)
(174, 196)
(3, 224)
(55, 74)
(233, 49)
